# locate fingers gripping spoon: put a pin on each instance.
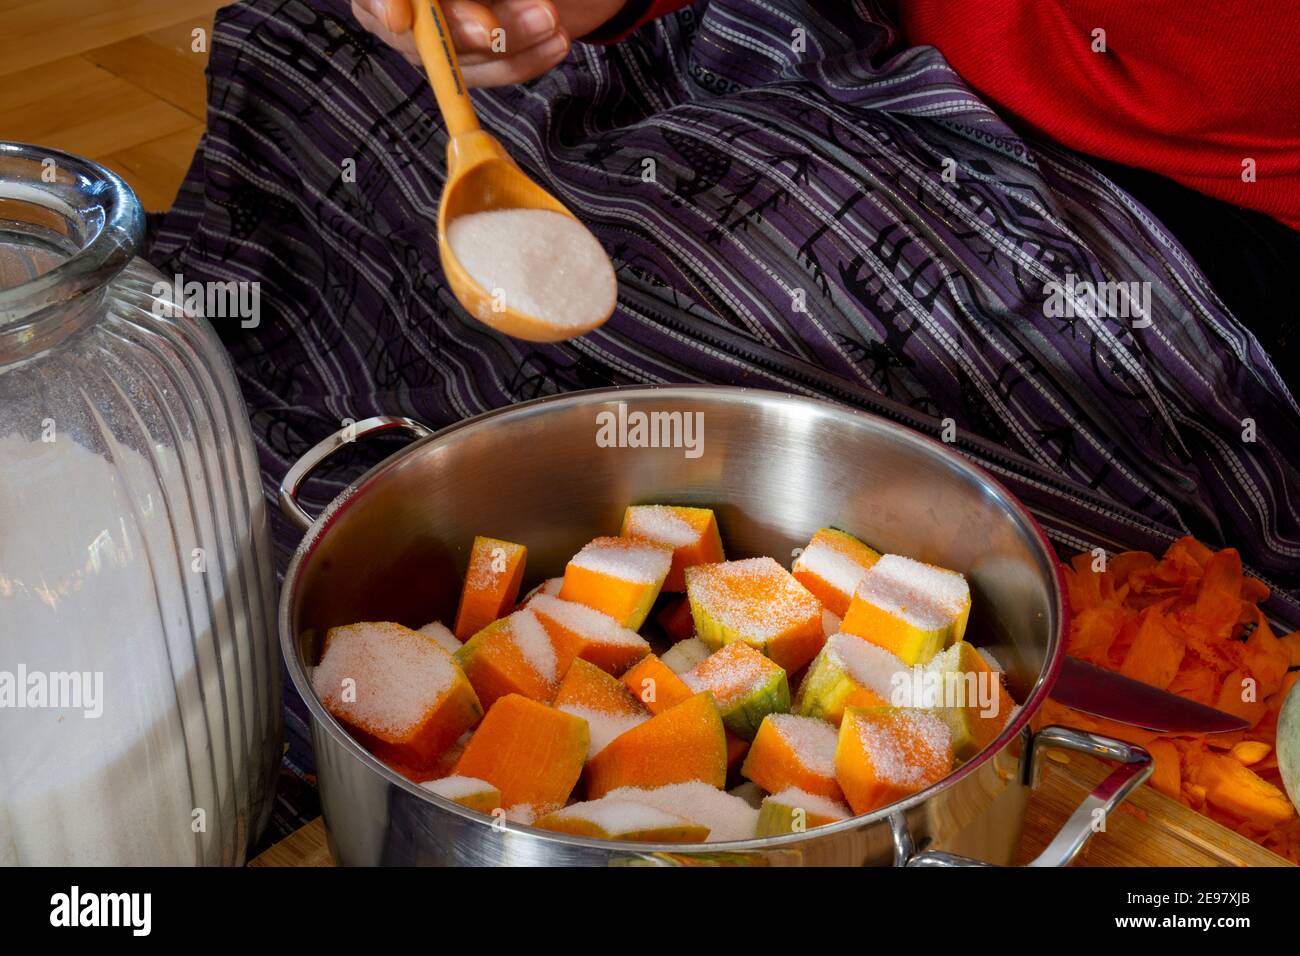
(482, 178)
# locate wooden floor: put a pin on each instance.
(117, 81)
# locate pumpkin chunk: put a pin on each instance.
(396, 691)
(514, 655)
(492, 579)
(913, 610)
(792, 751)
(886, 754)
(745, 685)
(655, 685)
(612, 818)
(602, 701)
(692, 533)
(759, 603)
(796, 811)
(831, 567)
(532, 753)
(468, 792)
(849, 672)
(683, 743)
(620, 577)
(728, 817)
(581, 631)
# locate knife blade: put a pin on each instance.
(1102, 693)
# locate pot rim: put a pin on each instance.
(1012, 505)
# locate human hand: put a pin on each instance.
(536, 34)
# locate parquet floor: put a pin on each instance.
(117, 81)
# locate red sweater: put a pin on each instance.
(1188, 89)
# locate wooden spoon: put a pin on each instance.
(481, 177)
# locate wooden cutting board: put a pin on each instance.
(1150, 830)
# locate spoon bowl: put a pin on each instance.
(481, 177)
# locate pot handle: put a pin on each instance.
(1134, 769)
(308, 463)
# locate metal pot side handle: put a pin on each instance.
(1134, 769)
(308, 463)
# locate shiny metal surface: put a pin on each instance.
(1095, 690)
(775, 467)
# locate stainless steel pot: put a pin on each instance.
(775, 467)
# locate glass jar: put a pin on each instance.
(139, 684)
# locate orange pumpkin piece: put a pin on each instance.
(831, 567)
(759, 603)
(1156, 652)
(514, 655)
(1241, 792)
(655, 685)
(396, 691)
(620, 577)
(692, 533)
(615, 818)
(492, 579)
(532, 753)
(745, 685)
(581, 631)
(681, 744)
(886, 754)
(1167, 775)
(792, 751)
(602, 701)
(911, 609)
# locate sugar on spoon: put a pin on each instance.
(514, 256)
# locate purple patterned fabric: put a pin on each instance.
(827, 217)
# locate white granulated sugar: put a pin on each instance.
(754, 596)
(660, 523)
(441, 636)
(926, 597)
(603, 726)
(524, 813)
(810, 803)
(834, 567)
(830, 623)
(902, 748)
(727, 817)
(684, 655)
(812, 740)
(534, 643)
(617, 816)
(594, 625)
(455, 787)
(993, 662)
(398, 676)
(540, 263)
(625, 560)
(869, 664)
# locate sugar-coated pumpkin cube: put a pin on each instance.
(602, 701)
(654, 684)
(684, 655)
(849, 672)
(686, 742)
(887, 753)
(612, 818)
(792, 751)
(831, 567)
(745, 685)
(756, 602)
(620, 577)
(442, 636)
(911, 609)
(467, 791)
(531, 752)
(514, 655)
(728, 817)
(692, 533)
(797, 811)
(961, 687)
(492, 579)
(581, 631)
(396, 691)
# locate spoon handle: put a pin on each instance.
(433, 41)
